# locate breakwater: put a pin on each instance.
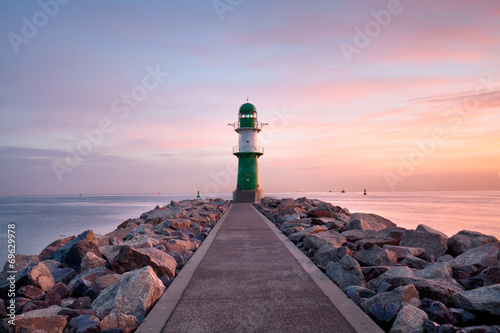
(406, 280)
(104, 283)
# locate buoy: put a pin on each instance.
(364, 193)
(198, 196)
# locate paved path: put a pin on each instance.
(248, 280)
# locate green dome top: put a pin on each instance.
(248, 108)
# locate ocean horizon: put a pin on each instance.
(41, 219)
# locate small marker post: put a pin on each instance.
(198, 196)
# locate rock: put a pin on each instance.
(162, 214)
(34, 305)
(91, 260)
(61, 289)
(31, 292)
(61, 252)
(466, 240)
(84, 302)
(449, 259)
(423, 227)
(118, 320)
(161, 262)
(72, 313)
(363, 221)
(46, 319)
(286, 204)
(355, 235)
(84, 287)
(361, 291)
(387, 236)
(317, 240)
(409, 320)
(22, 262)
(383, 313)
(83, 324)
(37, 275)
(481, 300)
(438, 312)
(403, 251)
(179, 245)
(437, 270)
(354, 296)
(346, 272)
(327, 254)
(49, 250)
(298, 236)
(491, 275)
(373, 272)
(3, 309)
(430, 327)
(415, 262)
(52, 298)
(179, 223)
(73, 257)
(375, 256)
(482, 329)
(320, 212)
(107, 280)
(20, 302)
(484, 256)
(435, 245)
(64, 275)
(397, 272)
(401, 296)
(136, 292)
(463, 317)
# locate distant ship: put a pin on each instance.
(343, 191)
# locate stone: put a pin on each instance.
(355, 235)
(346, 272)
(52, 298)
(438, 312)
(401, 296)
(3, 309)
(437, 270)
(375, 256)
(286, 204)
(330, 238)
(50, 324)
(107, 280)
(463, 317)
(298, 236)
(484, 256)
(435, 245)
(83, 324)
(91, 260)
(363, 221)
(118, 320)
(482, 329)
(84, 287)
(72, 313)
(491, 276)
(320, 212)
(179, 245)
(61, 252)
(449, 259)
(403, 251)
(34, 305)
(409, 320)
(179, 223)
(74, 256)
(386, 236)
(430, 326)
(161, 262)
(64, 275)
(481, 300)
(354, 296)
(423, 227)
(415, 262)
(22, 263)
(134, 295)
(396, 272)
(31, 292)
(383, 313)
(361, 291)
(49, 250)
(372, 272)
(167, 213)
(327, 254)
(39, 276)
(84, 302)
(466, 240)
(61, 289)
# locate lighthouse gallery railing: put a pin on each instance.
(259, 149)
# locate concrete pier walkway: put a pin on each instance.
(247, 277)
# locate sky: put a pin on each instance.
(115, 97)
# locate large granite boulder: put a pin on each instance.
(403, 251)
(401, 296)
(49, 250)
(481, 300)
(466, 240)
(410, 319)
(31, 292)
(118, 320)
(37, 275)
(91, 260)
(298, 236)
(423, 227)
(61, 253)
(345, 273)
(44, 319)
(438, 312)
(83, 324)
(375, 256)
(434, 244)
(331, 238)
(134, 295)
(161, 262)
(482, 256)
(356, 235)
(326, 254)
(74, 256)
(387, 236)
(364, 221)
(165, 213)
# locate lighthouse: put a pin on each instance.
(248, 153)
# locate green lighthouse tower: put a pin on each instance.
(248, 153)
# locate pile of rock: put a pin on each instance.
(92, 283)
(406, 280)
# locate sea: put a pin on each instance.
(39, 220)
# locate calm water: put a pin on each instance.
(42, 219)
